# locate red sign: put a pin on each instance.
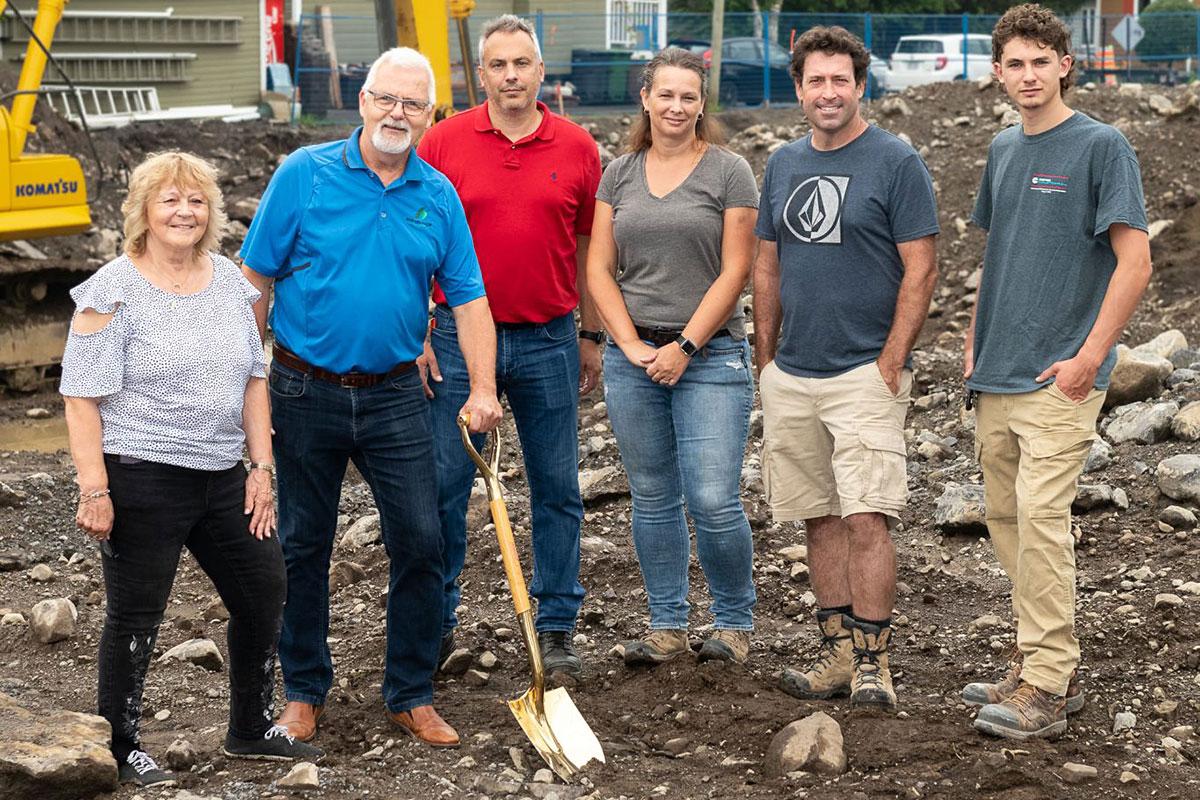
(272, 26)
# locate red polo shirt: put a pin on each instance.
(526, 202)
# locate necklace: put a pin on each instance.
(178, 287)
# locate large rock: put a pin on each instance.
(812, 744)
(363, 532)
(345, 573)
(53, 620)
(1179, 477)
(1143, 423)
(201, 652)
(595, 484)
(1136, 376)
(1186, 424)
(961, 509)
(53, 755)
(1099, 495)
(1163, 345)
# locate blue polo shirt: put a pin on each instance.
(352, 259)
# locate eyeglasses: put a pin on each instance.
(385, 102)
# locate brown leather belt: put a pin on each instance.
(664, 336)
(350, 380)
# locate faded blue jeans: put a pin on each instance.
(320, 428)
(537, 368)
(685, 443)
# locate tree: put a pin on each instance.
(1170, 27)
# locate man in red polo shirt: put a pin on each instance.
(527, 180)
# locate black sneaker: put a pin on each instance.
(140, 768)
(275, 745)
(558, 655)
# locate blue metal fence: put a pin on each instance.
(596, 60)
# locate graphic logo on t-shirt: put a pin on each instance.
(1048, 184)
(813, 212)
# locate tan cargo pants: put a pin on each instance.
(1032, 448)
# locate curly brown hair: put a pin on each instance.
(1034, 23)
(830, 40)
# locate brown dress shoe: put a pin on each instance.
(300, 719)
(423, 724)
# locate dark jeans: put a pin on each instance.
(159, 510)
(538, 369)
(319, 428)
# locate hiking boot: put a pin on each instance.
(275, 745)
(872, 681)
(660, 646)
(558, 654)
(982, 694)
(1029, 713)
(140, 768)
(726, 645)
(830, 673)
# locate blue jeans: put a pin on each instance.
(538, 369)
(385, 431)
(687, 442)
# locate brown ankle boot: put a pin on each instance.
(982, 694)
(872, 681)
(831, 671)
(1029, 713)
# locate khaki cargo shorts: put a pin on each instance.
(834, 446)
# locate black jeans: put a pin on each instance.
(160, 509)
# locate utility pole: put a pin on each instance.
(718, 37)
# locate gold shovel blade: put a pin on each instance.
(558, 731)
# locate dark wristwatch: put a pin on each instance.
(686, 345)
(592, 336)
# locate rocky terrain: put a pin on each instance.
(685, 729)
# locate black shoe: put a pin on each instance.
(447, 647)
(558, 655)
(275, 745)
(140, 768)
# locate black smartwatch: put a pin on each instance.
(686, 345)
(592, 336)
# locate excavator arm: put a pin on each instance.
(40, 194)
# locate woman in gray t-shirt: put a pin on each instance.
(671, 248)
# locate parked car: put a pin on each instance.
(930, 58)
(742, 69)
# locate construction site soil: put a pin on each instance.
(686, 729)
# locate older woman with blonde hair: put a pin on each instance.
(163, 378)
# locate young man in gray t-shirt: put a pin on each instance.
(842, 282)
(1067, 261)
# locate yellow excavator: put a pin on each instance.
(40, 194)
(423, 25)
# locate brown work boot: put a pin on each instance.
(982, 694)
(726, 645)
(872, 681)
(660, 646)
(1029, 713)
(830, 673)
(426, 726)
(301, 719)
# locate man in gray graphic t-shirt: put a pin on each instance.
(1067, 261)
(846, 266)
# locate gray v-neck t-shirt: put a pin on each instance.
(669, 248)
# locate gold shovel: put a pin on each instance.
(550, 719)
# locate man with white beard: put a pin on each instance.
(349, 235)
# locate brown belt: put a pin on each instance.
(664, 336)
(350, 380)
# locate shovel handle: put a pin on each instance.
(489, 467)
